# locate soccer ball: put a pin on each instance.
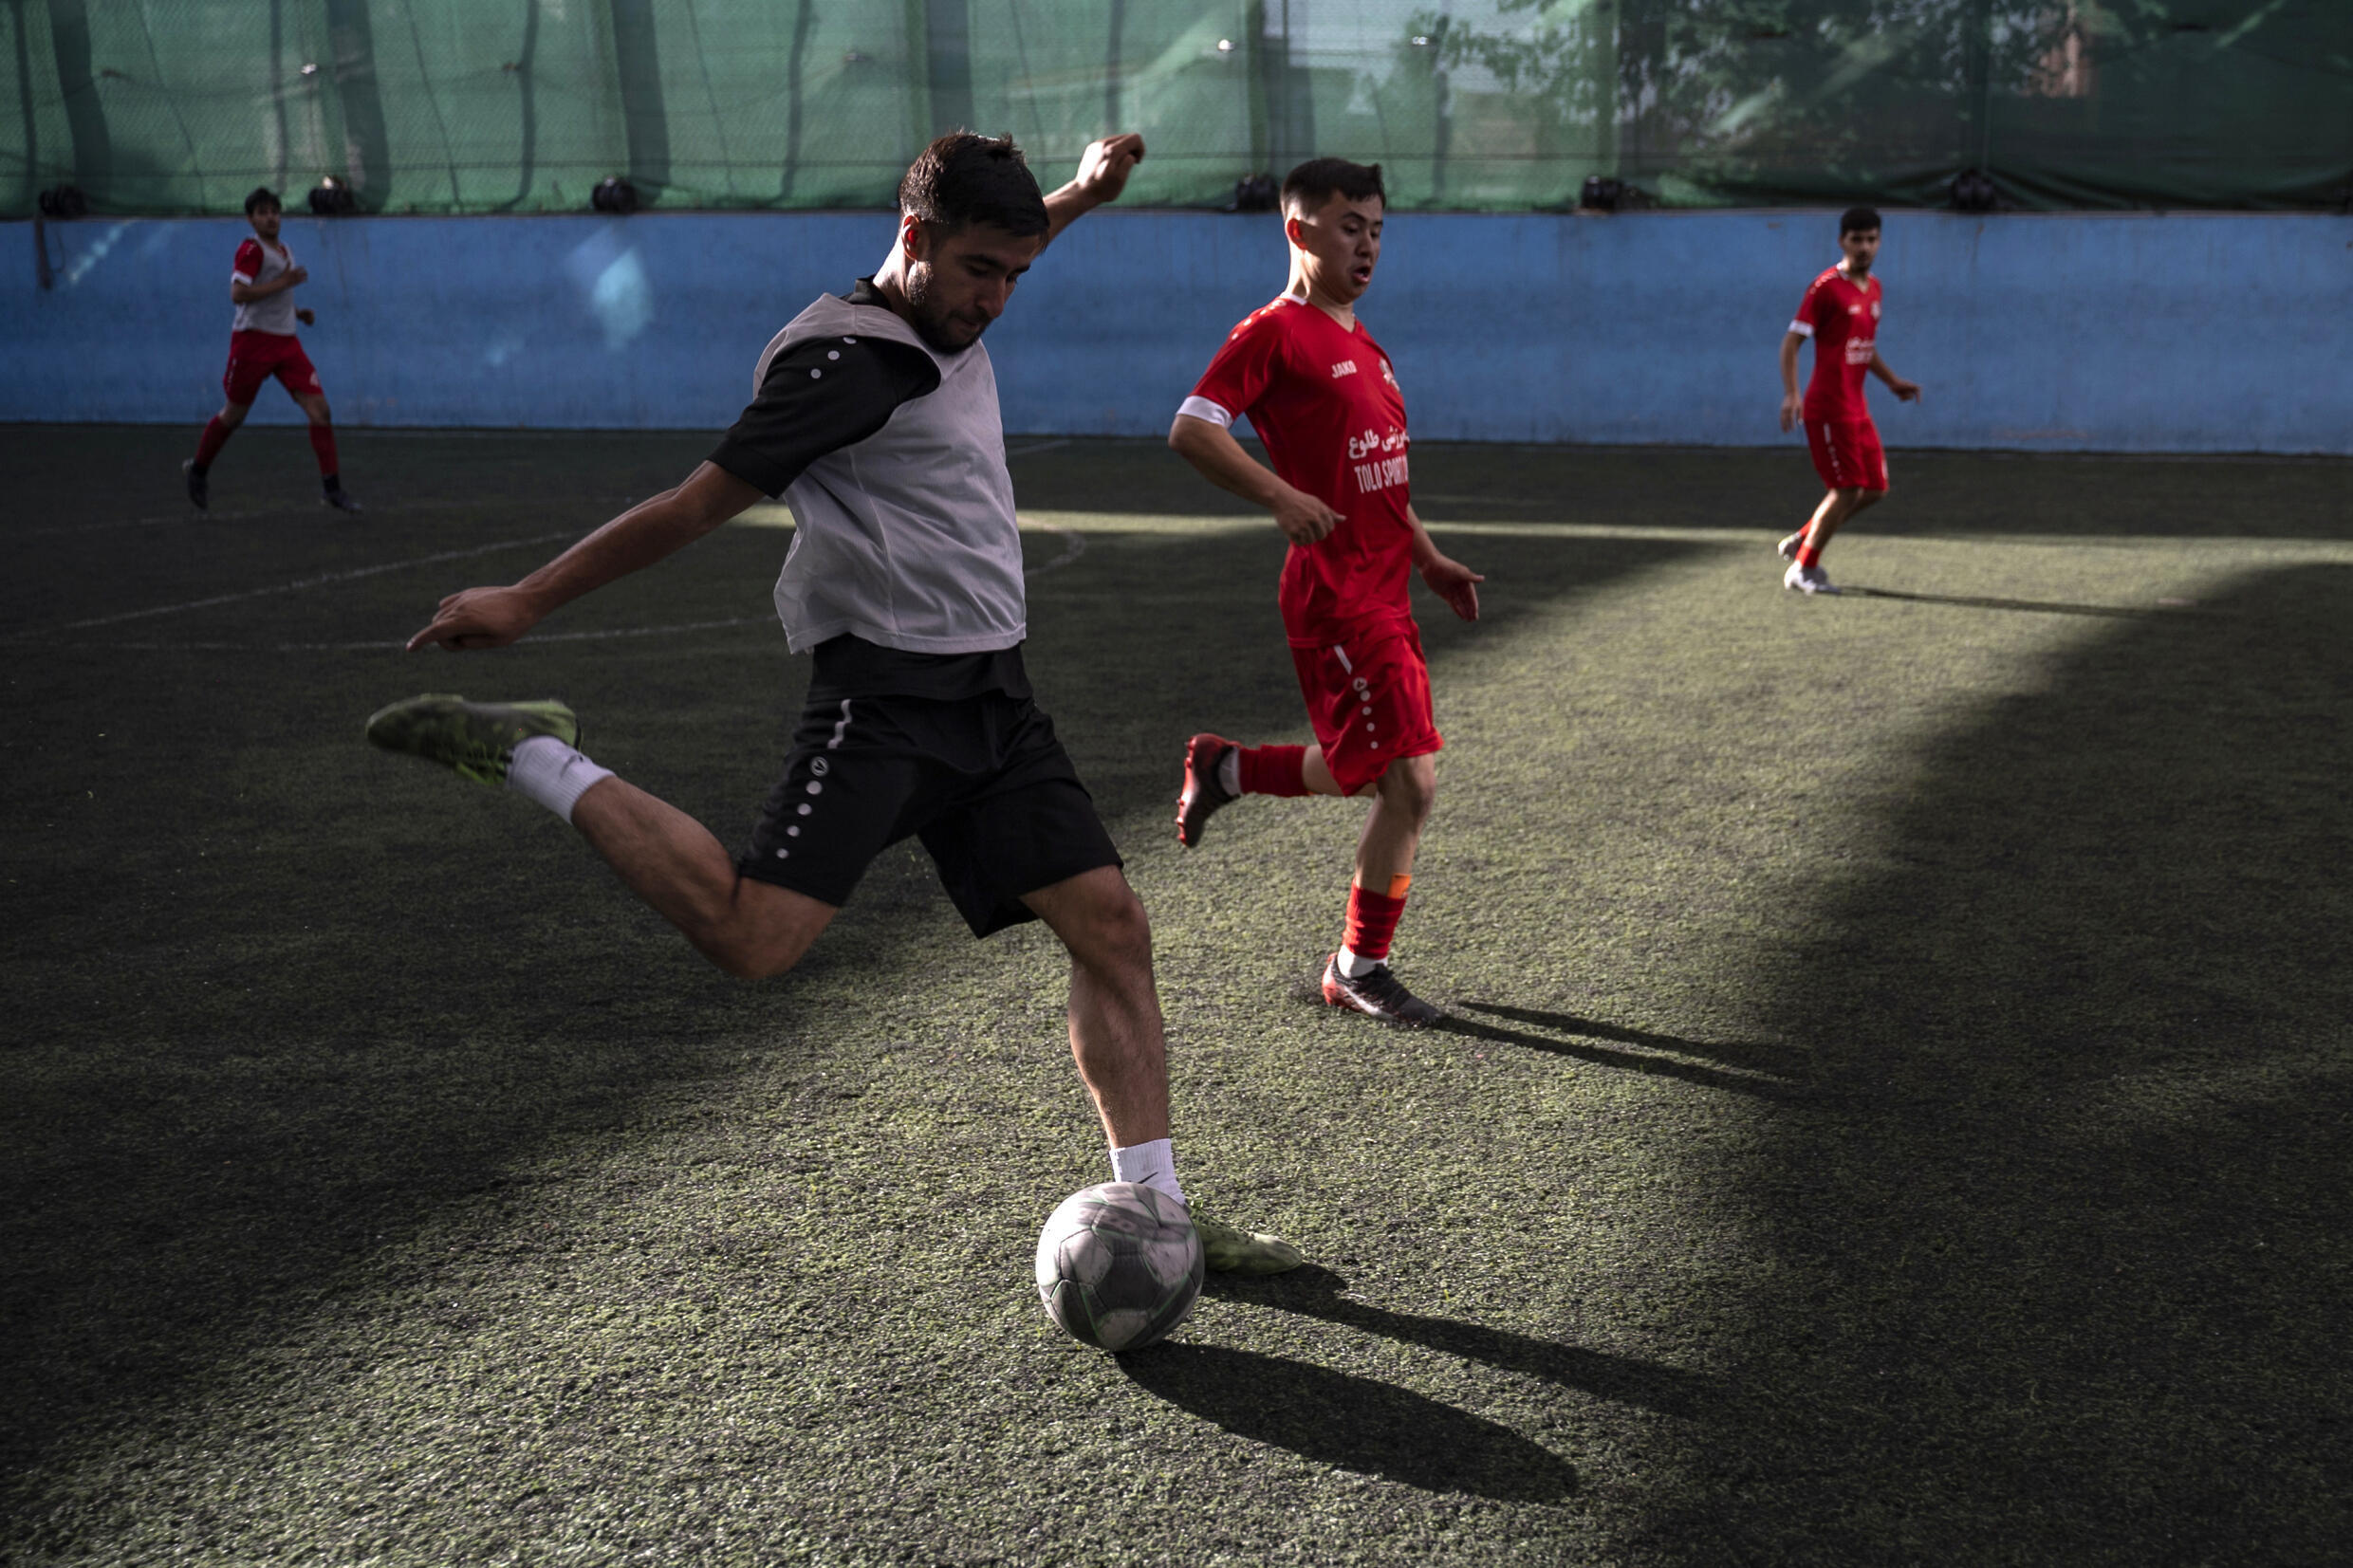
(1119, 1265)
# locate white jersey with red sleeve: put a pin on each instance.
(260, 263)
(1326, 403)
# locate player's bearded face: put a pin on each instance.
(1861, 246)
(959, 283)
(265, 221)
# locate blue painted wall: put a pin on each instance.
(2151, 333)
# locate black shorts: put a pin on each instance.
(980, 779)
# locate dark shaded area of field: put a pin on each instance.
(1896, 1106)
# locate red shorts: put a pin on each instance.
(1369, 700)
(255, 357)
(1847, 455)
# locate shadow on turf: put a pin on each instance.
(1777, 1061)
(2052, 1269)
(1316, 1292)
(1602, 1055)
(1351, 1423)
(2033, 606)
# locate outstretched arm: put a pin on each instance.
(1211, 449)
(492, 618)
(1103, 169)
(1450, 580)
(1905, 391)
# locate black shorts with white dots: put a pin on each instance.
(981, 781)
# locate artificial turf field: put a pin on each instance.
(1896, 1108)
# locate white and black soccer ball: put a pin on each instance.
(1119, 1265)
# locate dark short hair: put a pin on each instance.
(1858, 220)
(1316, 181)
(263, 197)
(962, 178)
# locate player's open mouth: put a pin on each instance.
(1362, 274)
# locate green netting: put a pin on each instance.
(171, 107)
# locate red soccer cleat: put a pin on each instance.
(1203, 794)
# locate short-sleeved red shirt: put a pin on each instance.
(1843, 317)
(1326, 403)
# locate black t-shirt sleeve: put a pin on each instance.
(820, 396)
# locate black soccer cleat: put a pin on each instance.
(199, 494)
(1377, 993)
(340, 499)
(1203, 793)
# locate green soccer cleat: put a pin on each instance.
(476, 738)
(1230, 1251)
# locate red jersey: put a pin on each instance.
(1843, 317)
(1326, 403)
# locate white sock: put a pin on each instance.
(545, 769)
(1355, 968)
(1229, 770)
(1153, 1164)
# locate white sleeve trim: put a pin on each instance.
(1201, 408)
(1804, 329)
(240, 277)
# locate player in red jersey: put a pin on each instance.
(262, 344)
(1321, 394)
(1841, 313)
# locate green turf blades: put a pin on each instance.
(1227, 1250)
(475, 738)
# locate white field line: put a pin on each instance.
(1074, 545)
(299, 586)
(395, 644)
(192, 519)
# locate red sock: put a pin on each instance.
(1273, 770)
(1809, 553)
(322, 442)
(1373, 919)
(208, 445)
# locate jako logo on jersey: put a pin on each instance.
(1345, 367)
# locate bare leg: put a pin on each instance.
(751, 930)
(1116, 1035)
(1836, 508)
(1317, 774)
(1402, 797)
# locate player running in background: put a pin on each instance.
(1319, 394)
(876, 418)
(261, 344)
(1841, 313)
